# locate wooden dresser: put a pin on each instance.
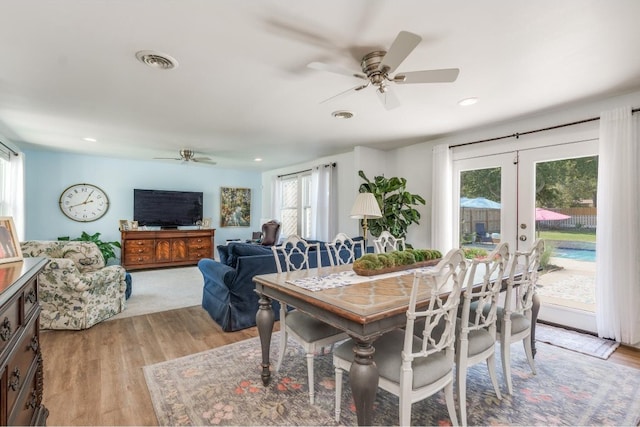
(21, 384)
(165, 248)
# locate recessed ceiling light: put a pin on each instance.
(257, 159)
(90, 139)
(342, 114)
(157, 60)
(467, 101)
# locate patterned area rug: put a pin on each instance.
(576, 341)
(223, 387)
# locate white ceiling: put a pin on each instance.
(243, 89)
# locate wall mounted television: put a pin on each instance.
(167, 209)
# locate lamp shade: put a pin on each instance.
(365, 206)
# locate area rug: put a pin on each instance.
(576, 341)
(163, 289)
(223, 387)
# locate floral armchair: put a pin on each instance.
(76, 289)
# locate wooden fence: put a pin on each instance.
(583, 217)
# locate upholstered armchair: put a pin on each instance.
(76, 289)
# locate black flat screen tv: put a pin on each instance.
(167, 209)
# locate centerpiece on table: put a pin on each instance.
(373, 264)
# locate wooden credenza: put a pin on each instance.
(165, 248)
(21, 381)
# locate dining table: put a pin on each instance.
(365, 307)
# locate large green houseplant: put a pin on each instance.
(396, 204)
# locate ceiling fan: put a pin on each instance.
(187, 155)
(378, 65)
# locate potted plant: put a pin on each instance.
(105, 247)
(396, 204)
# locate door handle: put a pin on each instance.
(523, 238)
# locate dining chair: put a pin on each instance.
(514, 319)
(416, 366)
(342, 250)
(386, 241)
(476, 336)
(311, 333)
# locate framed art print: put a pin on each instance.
(235, 207)
(9, 244)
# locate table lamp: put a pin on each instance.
(366, 206)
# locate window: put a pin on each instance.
(295, 208)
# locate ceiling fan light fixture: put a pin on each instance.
(342, 114)
(157, 60)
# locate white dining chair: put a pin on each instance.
(312, 334)
(343, 250)
(387, 242)
(476, 336)
(514, 319)
(416, 366)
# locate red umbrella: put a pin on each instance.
(547, 215)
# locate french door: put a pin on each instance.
(518, 182)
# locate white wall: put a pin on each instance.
(48, 173)
(347, 188)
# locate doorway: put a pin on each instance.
(549, 193)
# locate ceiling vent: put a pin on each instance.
(156, 60)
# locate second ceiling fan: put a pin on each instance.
(377, 67)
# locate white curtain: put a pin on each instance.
(324, 203)
(442, 199)
(618, 232)
(276, 199)
(13, 193)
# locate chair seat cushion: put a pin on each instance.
(309, 328)
(519, 322)
(388, 358)
(479, 341)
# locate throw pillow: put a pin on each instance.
(223, 254)
(237, 250)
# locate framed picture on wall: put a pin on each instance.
(9, 244)
(235, 207)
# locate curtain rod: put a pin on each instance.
(306, 170)
(517, 135)
(8, 148)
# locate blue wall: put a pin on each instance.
(48, 173)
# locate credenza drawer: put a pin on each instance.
(142, 243)
(21, 360)
(9, 322)
(30, 296)
(22, 413)
(138, 259)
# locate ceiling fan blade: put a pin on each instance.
(352, 89)
(388, 98)
(446, 75)
(166, 158)
(321, 66)
(401, 47)
(206, 160)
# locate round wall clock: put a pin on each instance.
(84, 202)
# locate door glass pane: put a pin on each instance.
(566, 211)
(480, 208)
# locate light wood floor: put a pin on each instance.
(94, 377)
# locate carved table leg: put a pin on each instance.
(363, 377)
(264, 321)
(534, 318)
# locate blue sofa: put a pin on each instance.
(229, 291)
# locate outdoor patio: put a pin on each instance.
(571, 286)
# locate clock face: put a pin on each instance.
(84, 202)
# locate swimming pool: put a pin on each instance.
(576, 254)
